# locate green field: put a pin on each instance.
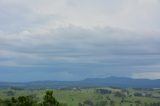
(109, 96)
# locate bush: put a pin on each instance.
(137, 94)
(103, 91)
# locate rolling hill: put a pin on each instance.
(90, 82)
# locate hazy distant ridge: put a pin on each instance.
(90, 82)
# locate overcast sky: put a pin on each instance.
(78, 39)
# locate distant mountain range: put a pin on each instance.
(90, 82)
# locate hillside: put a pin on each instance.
(91, 82)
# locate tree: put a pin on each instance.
(88, 103)
(49, 100)
(112, 103)
(21, 101)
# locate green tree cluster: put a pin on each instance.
(48, 100)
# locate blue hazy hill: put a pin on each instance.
(90, 82)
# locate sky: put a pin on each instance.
(77, 39)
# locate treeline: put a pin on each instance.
(48, 100)
(111, 102)
(152, 104)
(105, 99)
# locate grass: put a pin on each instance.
(74, 96)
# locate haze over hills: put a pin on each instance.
(90, 82)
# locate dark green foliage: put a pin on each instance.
(10, 93)
(112, 103)
(152, 104)
(137, 94)
(21, 101)
(80, 104)
(119, 94)
(7, 103)
(103, 91)
(102, 103)
(138, 102)
(148, 95)
(88, 103)
(49, 100)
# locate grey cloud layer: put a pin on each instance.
(73, 51)
(77, 45)
(75, 36)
